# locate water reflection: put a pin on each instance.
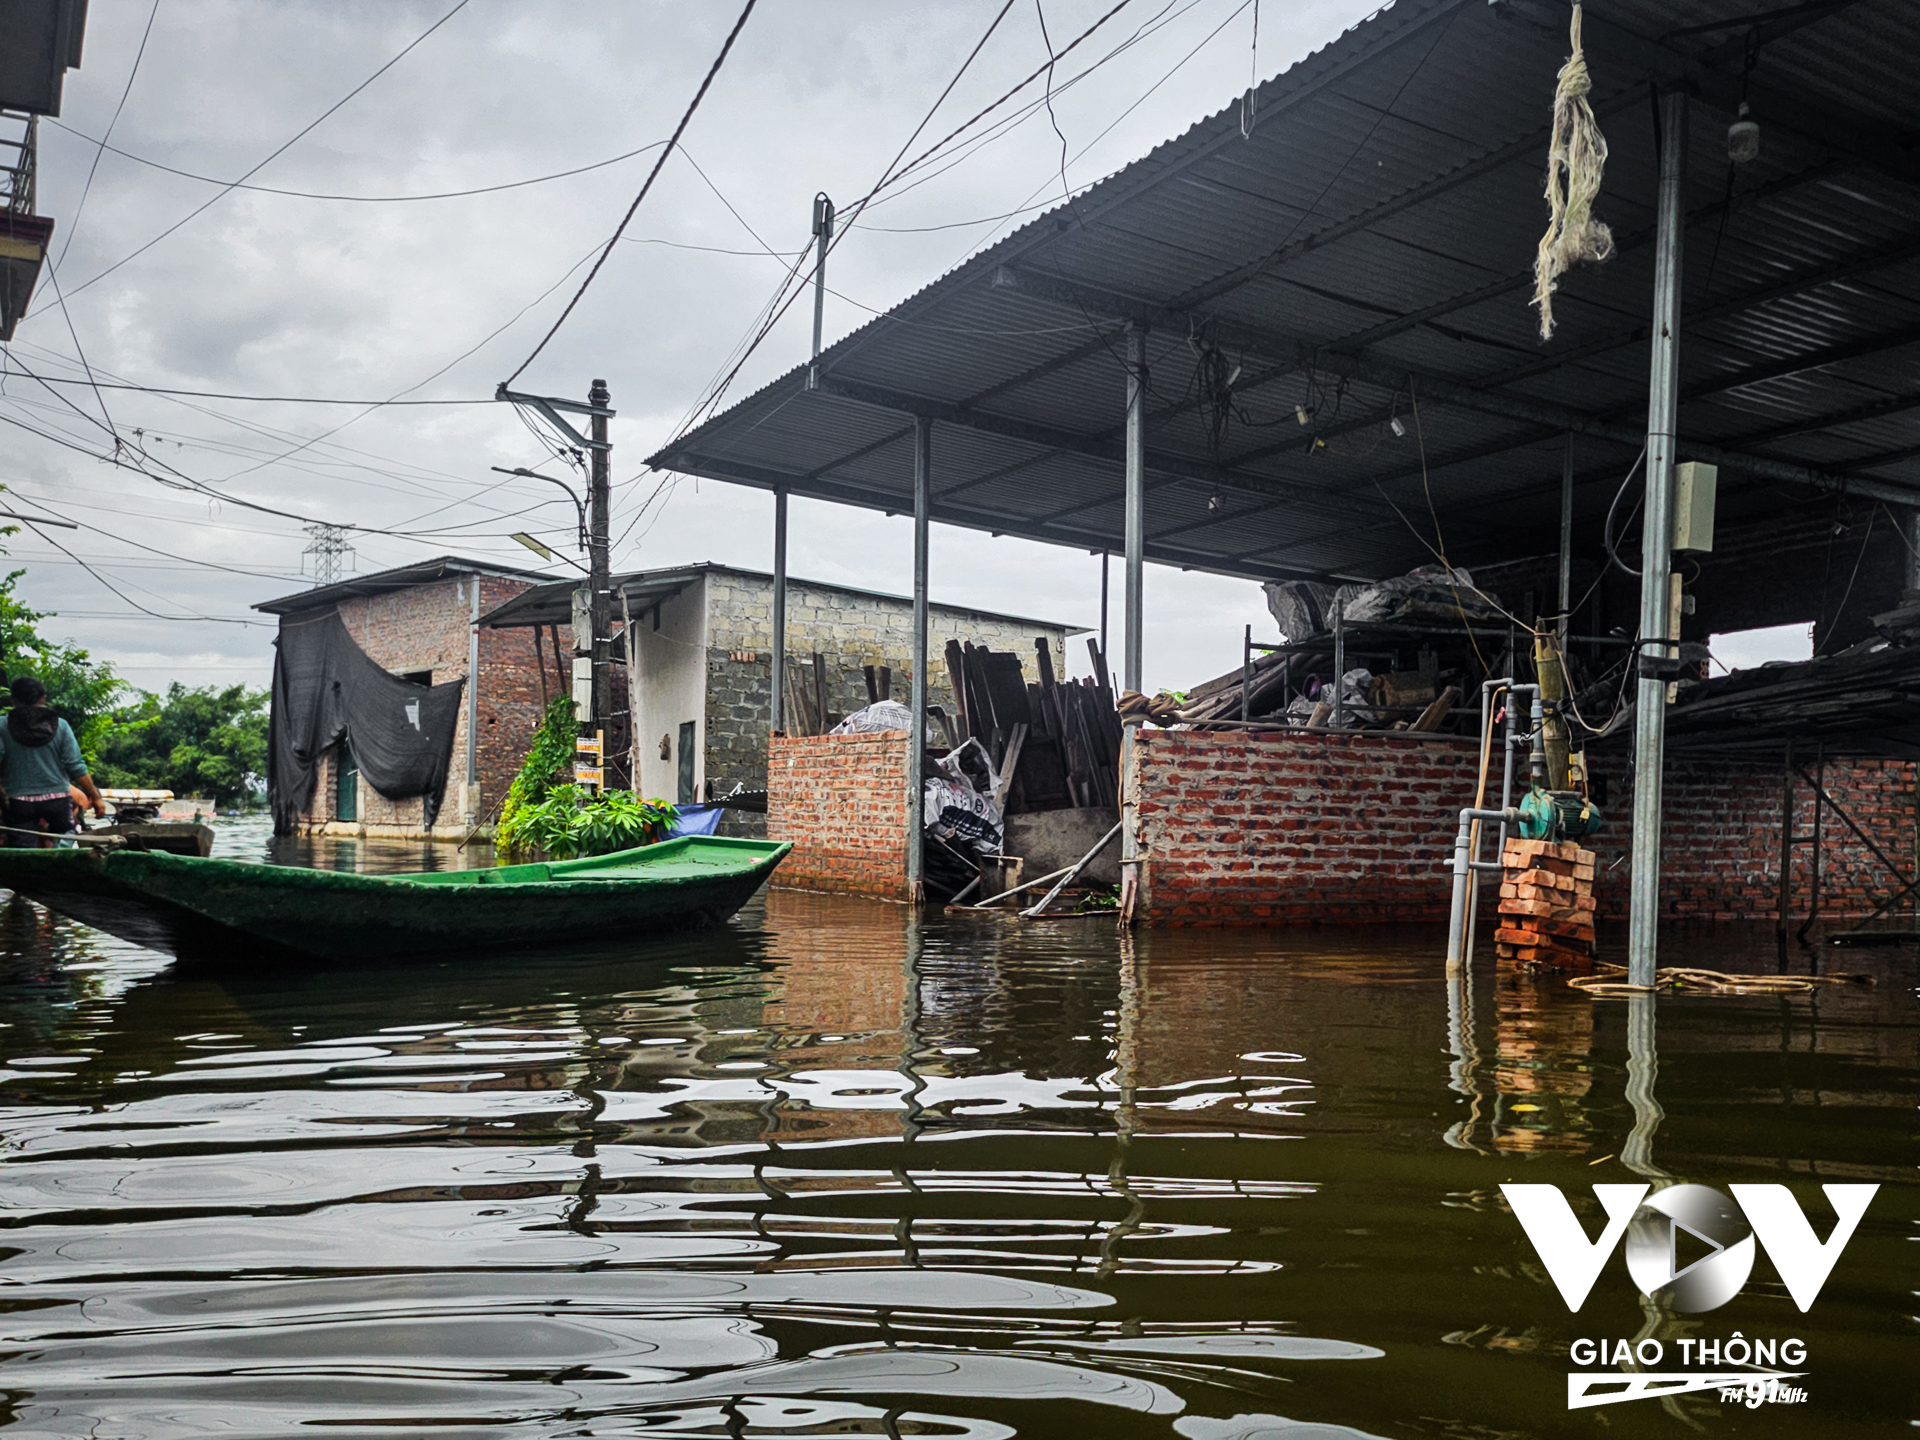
(835, 1171)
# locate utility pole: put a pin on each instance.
(329, 547)
(599, 502)
(596, 651)
(823, 239)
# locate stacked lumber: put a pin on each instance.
(1546, 905)
(1059, 740)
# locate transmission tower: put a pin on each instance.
(330, 551)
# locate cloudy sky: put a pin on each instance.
(173, 280)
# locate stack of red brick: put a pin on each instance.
(1546, 905)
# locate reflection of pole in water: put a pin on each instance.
(1463, 1078)
(1126, 1063)
(1643, 1069)
(916, 1083)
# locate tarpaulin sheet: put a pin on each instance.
(327, 690)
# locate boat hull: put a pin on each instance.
(222, 911)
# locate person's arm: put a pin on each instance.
(76, 767)
(86, 786)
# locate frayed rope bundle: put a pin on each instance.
(1576, 159)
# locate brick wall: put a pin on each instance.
(1276, 828)
(842, 801)
(425, 628)
(1271, 828)
(1721, 836)
(850, 629)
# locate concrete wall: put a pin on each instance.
(842, 801)
(671, 689)
(426, 628)
(1273, 828)
(851, 630)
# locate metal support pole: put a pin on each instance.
(1656, 546)
(1913, 549)
(1105, 654)
(1136, 501)
(917, 736)
(1566, 543)
(1339, 663)
(823, 238)
(777, 703)
(1786, 845)
(1246, 673)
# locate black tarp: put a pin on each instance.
(326, 690)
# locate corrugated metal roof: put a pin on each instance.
(401, 577)
(1370, 248)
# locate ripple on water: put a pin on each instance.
(830, 1171)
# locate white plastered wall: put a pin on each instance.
(671, 689)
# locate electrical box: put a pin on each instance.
(582, 686)
(1694, 487)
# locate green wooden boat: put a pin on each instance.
(225, 910)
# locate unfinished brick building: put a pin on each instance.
(702, 684)
(418, 622)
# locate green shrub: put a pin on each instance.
(569, 822)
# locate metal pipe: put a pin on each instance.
(823, 239)
(917, 736)
(1463, 868)
(1339, 663)
(777, 708)
(1656, 544)
(1136, 518)
(1246, 674)
(1566, 543)
(1104, 652)
(1786, 847)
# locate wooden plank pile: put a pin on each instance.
(1546, 906)
(1058, 739)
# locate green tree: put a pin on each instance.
(205, 741)
(81, 690)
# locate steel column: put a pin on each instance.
(917, 736)
(1913, 549)
(1136, 501)
(1566, 544)
(1656, 545)
(777, 708)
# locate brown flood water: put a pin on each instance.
(835, 1171)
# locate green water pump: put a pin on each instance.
(1557, 815)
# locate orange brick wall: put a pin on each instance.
(842, 802)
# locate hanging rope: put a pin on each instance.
(1576, 160)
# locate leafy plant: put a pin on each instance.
(549, 764)
(567, 822)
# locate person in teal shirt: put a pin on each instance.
(39, 759)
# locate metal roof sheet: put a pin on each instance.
(1370, 249)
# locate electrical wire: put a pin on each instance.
(144, 610)
(354, 199)
(1606, 530)
(459, 5)
(262, 399)
(652, 175)
(73, 225)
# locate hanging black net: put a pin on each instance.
(326, 690)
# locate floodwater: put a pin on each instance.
(830, 1171)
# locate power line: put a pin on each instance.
(73, 226)
(459, 5)
(262, 399)
(354, 199)
(652, 175)
(144, 610)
